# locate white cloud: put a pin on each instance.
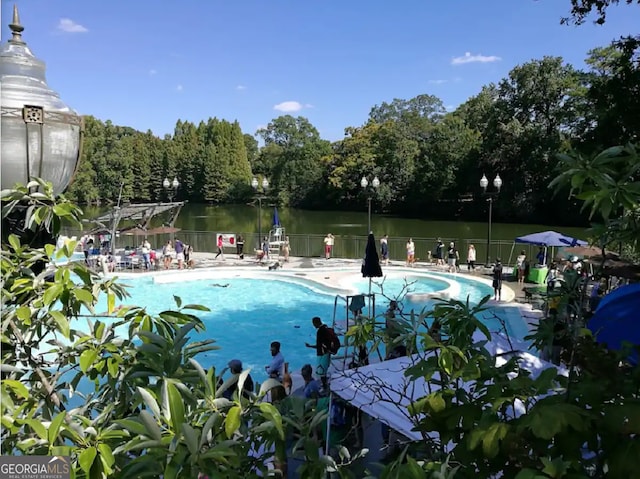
(69, 26)
(288, 106)
(179, 88)
(152, 72)
(241, 87)
(437, 82)
(469, 58)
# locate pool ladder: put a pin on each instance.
(341, 304)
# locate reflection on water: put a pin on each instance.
(244, 219)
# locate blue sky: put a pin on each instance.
(147, 63)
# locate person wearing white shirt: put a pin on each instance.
(146, 252)
(274, 368)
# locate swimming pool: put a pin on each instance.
(248, 313)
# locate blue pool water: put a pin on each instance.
(248, 314)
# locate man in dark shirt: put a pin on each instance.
(439, 252)
(235, 367)
(179, 247)
(497, 279)
(322, 347)
(452, 257)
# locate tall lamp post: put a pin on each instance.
(41, 135)
(375, 184)
(484, 183)
(171, 187)
(260, 196)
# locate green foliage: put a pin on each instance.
(608, 183)
(122, 391)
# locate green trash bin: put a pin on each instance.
(538, 275)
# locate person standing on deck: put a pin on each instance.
(179, 247)
(220, 245)
(323, 349)
(497, 279)
(471, 258)
(328, 245)
(384, 249)
(275, 369)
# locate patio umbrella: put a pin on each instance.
(371, 264)
(276, 218)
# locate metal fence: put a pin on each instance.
(345, 246)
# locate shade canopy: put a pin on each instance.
(588, 252)
(383, 391)
(163, 230)
(550, 238)
(135, 232)
(371, 264)
(616, 319)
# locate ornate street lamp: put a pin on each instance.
(260, 195)
(171, 187)
(375, 184)
(41, 135)
(484, 183)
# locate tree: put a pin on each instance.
(581, 9)
(296, 171)
(613, 98)
(251, 145)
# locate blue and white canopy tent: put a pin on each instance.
(547, 239)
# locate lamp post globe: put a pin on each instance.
(175, 183)
(254, 183)
(484, 182)
(497, 184)
(166, 184)
(41, 135)
(375, 184)
(265, 184)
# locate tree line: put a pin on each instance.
(429, 161)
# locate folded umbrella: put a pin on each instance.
(371, 264)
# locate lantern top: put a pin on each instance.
(23, 75)
(16, 28)
(26, 99)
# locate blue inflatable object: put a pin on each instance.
(617, 319)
